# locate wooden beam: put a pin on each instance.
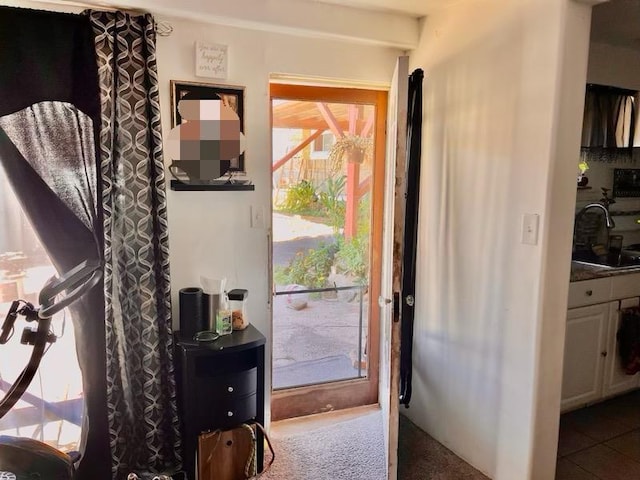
(299, 148)
(364, 187)
(353, 118)
(68, 410)
(351, 211)
(332, 123)
(60, 409)
(368, 126)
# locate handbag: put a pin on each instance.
(231, 454)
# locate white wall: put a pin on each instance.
(491, 146)
(210, 231)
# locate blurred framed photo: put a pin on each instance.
(230, 95)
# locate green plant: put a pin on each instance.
(332, 203)
(300, 198)
(312, 267)
(352, 257)
(280, 275)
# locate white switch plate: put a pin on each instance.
(530, 222)
(257, 216)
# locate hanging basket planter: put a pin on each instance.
(350, 148)
(355, 155)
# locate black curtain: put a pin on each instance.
(49, 116)
(410, 241)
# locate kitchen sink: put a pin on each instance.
(626, 259)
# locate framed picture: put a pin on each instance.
(231, 95)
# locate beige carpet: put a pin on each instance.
(346, 450)
(348, 447)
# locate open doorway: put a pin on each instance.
(327, 172)
(600, 420)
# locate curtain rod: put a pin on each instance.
(163, 28)
(609, 88)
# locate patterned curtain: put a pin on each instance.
(143, 422)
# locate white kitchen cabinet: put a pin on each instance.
(615, 380)
(589, 292)
(584, 354)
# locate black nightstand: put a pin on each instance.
(220, 386)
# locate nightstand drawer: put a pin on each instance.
(589, 292)
(236, 384)
(226, 414)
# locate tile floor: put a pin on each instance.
(601, 442)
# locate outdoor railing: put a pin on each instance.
(361, 288)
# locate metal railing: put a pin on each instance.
(361, 288)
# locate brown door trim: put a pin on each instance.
(307, 400)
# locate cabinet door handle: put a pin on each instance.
(230, 389)
(588, 293)
(604, 354)
(229, 414)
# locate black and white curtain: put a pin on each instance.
(86, 165)
(143, 423)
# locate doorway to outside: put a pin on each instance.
(327, 199)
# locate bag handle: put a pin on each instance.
(273, 453)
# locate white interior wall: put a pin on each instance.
(210, 231)
(492, 87)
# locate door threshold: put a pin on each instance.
(292, 426)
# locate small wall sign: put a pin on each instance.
(211, 60)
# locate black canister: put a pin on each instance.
(192, 319)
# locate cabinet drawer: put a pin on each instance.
(240, 410)
(226, 414)
(589, 292)
(623, 286)
(236, 384)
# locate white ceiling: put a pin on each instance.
(617, 23)
(414, 8)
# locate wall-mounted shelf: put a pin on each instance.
(184, 187)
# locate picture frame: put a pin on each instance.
(231, 95)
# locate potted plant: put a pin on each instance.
(352, 147)
(583, 166)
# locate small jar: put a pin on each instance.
(223, 316)
(238, 307)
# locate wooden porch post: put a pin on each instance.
(353, 182)
(351, 211)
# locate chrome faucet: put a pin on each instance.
(608, 218)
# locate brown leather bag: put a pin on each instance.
(230, 454)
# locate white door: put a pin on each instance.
(584, 352)
(615, 380)
(392, 260)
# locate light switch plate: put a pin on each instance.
(530, 223)
(257, 216)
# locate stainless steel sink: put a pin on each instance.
(626, 259)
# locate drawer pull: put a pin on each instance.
(230, 389)
(229, 414)
(604, 354)
(588, 293)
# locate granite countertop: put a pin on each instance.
(584, 272)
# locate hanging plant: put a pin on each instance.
(352, 148)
